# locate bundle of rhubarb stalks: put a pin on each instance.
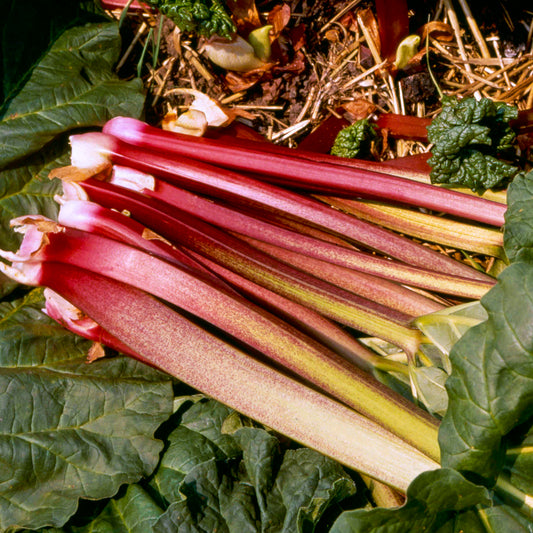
(267, 278)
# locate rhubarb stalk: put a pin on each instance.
(167, 340)
(241, 319)
(239, 189)
(313, 176)
(88, 216)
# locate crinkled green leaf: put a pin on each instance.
(491, 386)
(435, 501)
(69, 429)
(355, 140)
(73, 86)
(203, 17)
(470, 138)
(215, 480)
(518, 228)
(472, 169)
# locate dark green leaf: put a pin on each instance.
(519, 461)
(203, 17)
(25, 189)
(26, 32)
(241, 480)
(74, 86)
(355, 140)
(472, 169)
(518, 228)
(435, 501)
(469, 139)
(491, 386)
(69, 430)
(134, 511)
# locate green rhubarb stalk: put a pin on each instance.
(386, 292)
(312, 323)
(424, 226)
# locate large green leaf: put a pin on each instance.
(436, 501)
(26, 32)
(132, 511)
(74, 86)
(518, 228)
(25, 189)
(68, 429)
(491, 386)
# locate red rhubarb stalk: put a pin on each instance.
(174, 344)
(240, 257)
(385, 292)
(240, 318)
(88, 216)
(234, 187)
(424, 226)
(388, 293)
(230, 219)
(314, 176)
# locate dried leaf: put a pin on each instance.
(245, 15)
(359, 108)
(437, 30)
(279, 17)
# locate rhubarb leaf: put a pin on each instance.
(69, 429)
(133, 510)
(355, 140)
(220, 474)
(518, 228)
(26, 34)
(73, 86)
(25, 189)
(206, 18)
(435, 500)
(491, 386)
(469, 139)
